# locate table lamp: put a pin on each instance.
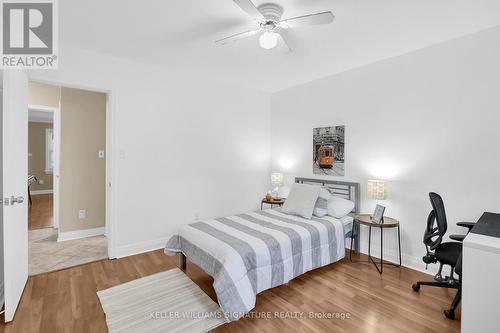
(276, 181)
(377, 190)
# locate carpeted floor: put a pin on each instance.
(47, 255)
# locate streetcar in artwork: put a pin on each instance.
(325, 157)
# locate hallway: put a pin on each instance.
(46, 254)
(40, 214)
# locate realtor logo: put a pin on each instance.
(29, 34)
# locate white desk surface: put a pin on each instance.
(482, 242)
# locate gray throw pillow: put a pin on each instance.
(301, 200)
(321, 206)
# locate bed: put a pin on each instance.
(255, 251)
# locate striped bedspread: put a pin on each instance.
(249, 253)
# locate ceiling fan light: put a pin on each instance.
(268, 40)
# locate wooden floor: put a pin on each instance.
(40, 214)
(66, 301)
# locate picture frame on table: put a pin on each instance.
(378, 214)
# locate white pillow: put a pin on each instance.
(321, 206)
(301, 200)
(339, 207)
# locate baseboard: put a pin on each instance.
(40, 192)
(141, 247)
(408, 261)
(77, 234)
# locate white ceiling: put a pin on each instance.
(180, 34)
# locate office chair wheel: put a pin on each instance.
(449, 314)
(416, 287)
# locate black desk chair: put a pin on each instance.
(447, 253)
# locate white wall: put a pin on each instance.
(185, 145)
(2, 291)
(425, 121)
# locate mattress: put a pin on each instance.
(346, 221)
(249, 253)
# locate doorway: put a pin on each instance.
(66, 177)
(40, 167)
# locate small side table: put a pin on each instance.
(388, 222)
(278, 202)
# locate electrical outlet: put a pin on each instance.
(100, 154)
(196, 216)
(82, 214)
(41, 181)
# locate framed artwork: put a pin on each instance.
(328, 151)
(378, 215)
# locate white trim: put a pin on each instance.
(41, 192)
(57, 151)
(111, 184)
(48, 133)
(41, 108)
(141, 247)
(40, 120)
(77, 234)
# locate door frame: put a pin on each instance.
(110, 153)
(56, 124)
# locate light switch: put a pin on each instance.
(100, 154)
(122, 154)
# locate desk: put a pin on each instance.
(480, 276)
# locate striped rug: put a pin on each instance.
(163, 302)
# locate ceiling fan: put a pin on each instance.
(271, 27)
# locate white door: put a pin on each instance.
(14, 191)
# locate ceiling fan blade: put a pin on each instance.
(237, 37)
(313, 19)
(248, 7)
(283, 35)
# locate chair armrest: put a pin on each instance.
(468, 225)
(459, 238)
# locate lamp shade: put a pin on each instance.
(276, 179)
(377, 190)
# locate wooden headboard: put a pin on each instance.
(345, 190)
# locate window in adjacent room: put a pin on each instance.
(49, 150)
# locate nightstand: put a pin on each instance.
(388, 222)
(274, 201)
